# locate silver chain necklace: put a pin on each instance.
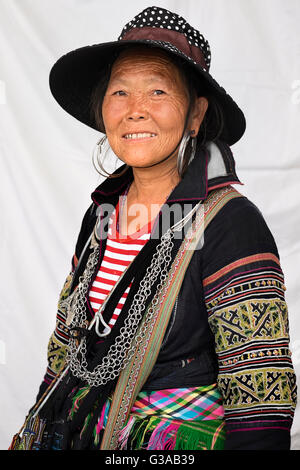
(121, 351)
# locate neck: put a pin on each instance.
(151, 185)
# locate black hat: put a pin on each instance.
(75, 75)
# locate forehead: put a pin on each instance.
(146, 60)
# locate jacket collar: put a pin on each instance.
(212, 167)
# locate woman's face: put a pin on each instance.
(145, 107)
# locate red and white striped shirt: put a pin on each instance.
(119, 253)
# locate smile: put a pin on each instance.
(140, 135)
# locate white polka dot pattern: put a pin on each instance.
(160, 18)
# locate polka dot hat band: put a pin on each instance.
(167, 21)
(75, 75)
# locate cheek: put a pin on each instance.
(112, 112)
(171, 116)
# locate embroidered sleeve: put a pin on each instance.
(248, 316)
(58, 342)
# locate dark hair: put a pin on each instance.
(213, 122)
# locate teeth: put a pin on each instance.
(139, 136)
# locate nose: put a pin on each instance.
(136, 117)
(137, 110)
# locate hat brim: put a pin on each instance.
(74, 76)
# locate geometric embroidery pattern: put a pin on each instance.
(248, 316)
(57, 353)
(58, 343)
(256, 319)
(271, 386)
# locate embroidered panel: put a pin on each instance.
(58, 343)
(245, 392)
(256, 320)
(248, 316)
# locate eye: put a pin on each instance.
(159, 92)
(119, 93)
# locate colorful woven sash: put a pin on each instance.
(193, 403)
(133, 377)
(189, 418)
(163, 433)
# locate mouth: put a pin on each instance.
(139, 136)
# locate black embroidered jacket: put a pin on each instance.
(230, 316)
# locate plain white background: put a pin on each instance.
(46, 168)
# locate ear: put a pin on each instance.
(200, 108)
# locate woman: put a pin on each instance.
(172, 327)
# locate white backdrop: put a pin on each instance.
(47, 174)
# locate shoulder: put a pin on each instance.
(240, 216)
(87, 225)
(239, 229)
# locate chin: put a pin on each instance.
(140, 160)
(139, 163)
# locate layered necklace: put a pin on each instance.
(121, 351)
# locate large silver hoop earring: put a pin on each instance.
(194, 146)
(181, 157)
(181, 152)
(96, 156)
(98, 151)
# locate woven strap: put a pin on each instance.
(133, 377)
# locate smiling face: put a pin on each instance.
(145, 107)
